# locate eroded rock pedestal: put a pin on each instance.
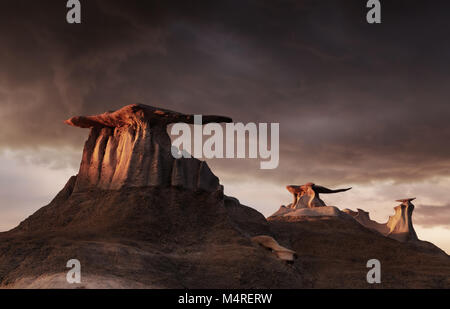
(308, 195)
(131, 148)
(307, 202)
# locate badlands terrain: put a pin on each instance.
(135, 217)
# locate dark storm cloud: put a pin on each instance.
(430, 216)
(355, 102)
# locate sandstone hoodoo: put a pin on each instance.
(131, 148)
(307, 202)
(272, 245)
(307, 195)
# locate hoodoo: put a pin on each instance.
(400, 224)
(131, 148)
(307, 202)
(307, 195)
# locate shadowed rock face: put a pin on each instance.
(307, 195)
(399, 226)
(131, 148)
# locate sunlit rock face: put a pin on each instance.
(131, 148)
(307, 202)
(399, 226)
(308, 195)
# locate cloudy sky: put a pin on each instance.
(358, 105)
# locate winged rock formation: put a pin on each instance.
(307, 195)
(131, 148)
(307, 202)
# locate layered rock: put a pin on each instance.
(399, 226)
(131, 148)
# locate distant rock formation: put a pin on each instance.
(131, 148)
(399, 226)
(308, 204)
(307, 195)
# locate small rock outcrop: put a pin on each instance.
(131, 148)
(399, 226)
(271, 244)
(307, 195)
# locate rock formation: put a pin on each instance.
(136, 217)
(271, 244)
(399, 226)
(308, 204)
(131, 148)
(307, 195)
